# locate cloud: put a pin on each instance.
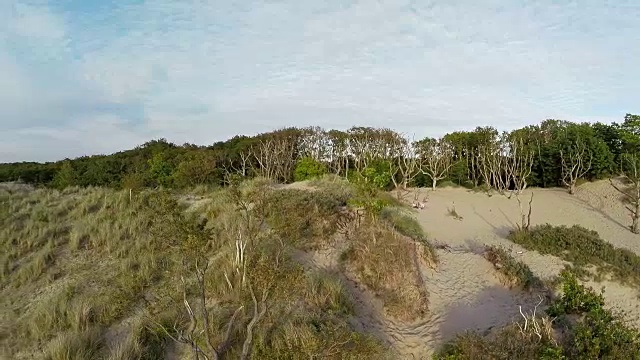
(200, 72)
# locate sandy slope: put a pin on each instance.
(464, 292)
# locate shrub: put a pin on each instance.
(308, 168)
(582, 247)
(509, 342)
(513, 272)
(304, 217)
(598, 332)
(590, 332)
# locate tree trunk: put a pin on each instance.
(433, 184)
(636, 217)
(572, 188)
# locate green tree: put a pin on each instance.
(66, 176)
(160, 170)
(198, 168)
(308, 168)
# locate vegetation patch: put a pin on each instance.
(513, 273)
(583, 248)
(408, 226)
(385, 262)
(582, 328)
(306, 219)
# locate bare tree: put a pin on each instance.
(576, 163)
(243, 167)
(519, 164)
(435, 158)
(276, 157)
(407, 164)
(190, 336)
(338, 152)
(631, 193)
(518, 167)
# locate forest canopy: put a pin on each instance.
(561, 152)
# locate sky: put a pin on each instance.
(81, 77)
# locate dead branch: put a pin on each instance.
(535, 327)
(632, 194)
(257, 316)
(525, 218)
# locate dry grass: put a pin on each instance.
(74, 263)
(86, 273)
(387, 263)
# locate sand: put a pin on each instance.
(464, 291)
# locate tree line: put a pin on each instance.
(552, 153)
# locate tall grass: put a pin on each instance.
(79, 266)
(407, 225)
(72, 261)
(385, 262)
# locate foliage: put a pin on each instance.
(590, 332)
(308, 168)
(582, 247)
(598, 333)
(377, 155)
(304, 218)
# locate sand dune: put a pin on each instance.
(464, 291)
(464, 294)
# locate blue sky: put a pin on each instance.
(87, 76)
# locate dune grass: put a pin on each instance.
(386, 263)
(86, 273)
(75, 262)
(512, 272)
(583, 248)
(407, 225)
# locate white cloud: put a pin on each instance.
(200, 72)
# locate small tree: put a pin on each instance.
(576, 163)
(631, 193)
(308, 168)
(519, 164)
(66, 176)
(435, 158)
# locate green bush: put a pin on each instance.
(308, 168)
(598, 332)
(589, 332)
(582, 247)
